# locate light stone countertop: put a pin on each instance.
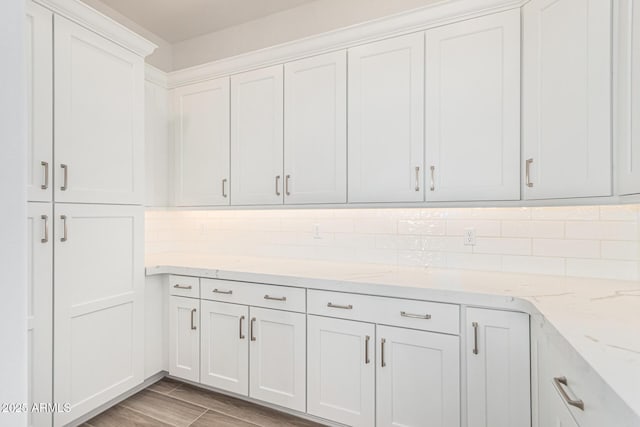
(599, 318)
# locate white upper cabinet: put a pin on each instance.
(386, 114)
(473, 109)
(39, 56)
(201, 126)
(99, 125)
(315, 129)
(498, 369)
(257, 137)
(566, 98)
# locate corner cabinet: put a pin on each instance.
(567, 98)
(386, 116)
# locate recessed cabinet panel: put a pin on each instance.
(202, 143)
(566, 98)
(257, 137)
(386, 115)
(39, 55)
(473, 109)
(315, 138)
(99, 130)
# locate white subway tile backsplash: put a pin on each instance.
(538, 229)
(566, 248)
(602, 268)
(501, 245)
(567, 213)
(482, 227)
(533, 265)
(609, 230)
(621, 250)
(422, 226)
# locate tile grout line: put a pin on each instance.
(146, 415)
(198, 417)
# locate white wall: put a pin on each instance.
(311, 18)
(13, 251)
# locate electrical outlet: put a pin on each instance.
(316, 231)
(469, 236)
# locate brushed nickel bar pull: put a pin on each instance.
(253, 337)
(46, 175)
(193, 326)
(277, 185)
(178, 286)
(415, 316)
(383, 363)
(528, 172)
(65, 178)
(475, 337)
(559, 383)
(286, 185)
(218, 291)
(45, 218)
(344, 307)
(367, 338)
(417, 178)
(64, 228)
(224, 188)
(241, 321)
(275, 298)
(433, 178)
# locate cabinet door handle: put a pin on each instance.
(367, 338)
(277, 185)
(193, 325)
(417, 178)
(45, 165)
(64, 228)
(224, 187)
(178, 286)
(45, 218)
(253, 337)
(65, 177)
(415, 316)
(286, 185)
(275, 298)
(559, 383)
(527, 172)
(475, 337)
(344, 307)
(241, 321)
(383, 363)
(218, 291)
(433, 178)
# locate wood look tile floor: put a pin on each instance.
(172, 403)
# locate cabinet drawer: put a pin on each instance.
(428, 316)
(255, 294)
(184, 286)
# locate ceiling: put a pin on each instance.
(178, 20)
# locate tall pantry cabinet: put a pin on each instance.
(85, 167)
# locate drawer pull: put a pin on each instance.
(528, 173)
(45, 165)
(178, 286)
(344, 307)
(383, 363)
(64, 228)
(193, 325)
(559, 383)
(218, 291)
(275, 298)
(45, 218)
(415, 316)
(475, 337)
(241, 334)
(253, 337)
(65, 177)
(367, 338)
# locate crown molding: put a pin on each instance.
(437, 14)
(156, 76)
(95, 21)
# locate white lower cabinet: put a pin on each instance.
(184, 338)
(277, 354)
(224, 346)
(498, 369)
(556, 413)
(341, 370)
(418, 378)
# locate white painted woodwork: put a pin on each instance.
(420, 381)
(39, 68)
(184, 338)
(156, 325)
(201, 126)
(315, 129)
(341, 380)
(268, 296)
(158, 146)
(472, 99)
(184, 286)
(567, 98)
(558, 414)
(498, 376)
(40, 310)
(257, 137)
(98, 305)
(386, 115)
(224, 346)
(277, 357)
(99, 110)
